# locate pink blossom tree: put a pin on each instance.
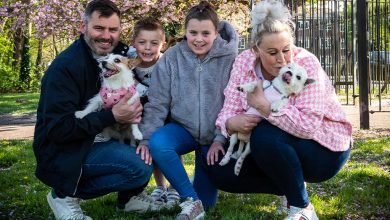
(54, 23)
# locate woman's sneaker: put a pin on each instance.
(66, 208)
(158, 194)
(307, 213)
(191, 210)
(173, 198)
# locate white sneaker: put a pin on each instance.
(307, 213)
(158, 194)
(284, 207)
(173, 198)
(67, 208)
(142, 203)
(191, 210)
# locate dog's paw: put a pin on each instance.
(277, 105)
(224, 160)
(237, 167)
(137, 134)
(79, 114)
(248, 87)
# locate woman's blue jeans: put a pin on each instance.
(166, 144)
(279, 164)
(112, 167)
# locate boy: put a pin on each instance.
(149, 40)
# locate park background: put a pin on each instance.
(34, 32)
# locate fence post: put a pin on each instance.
(363, 65)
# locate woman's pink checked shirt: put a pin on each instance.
(314, 113)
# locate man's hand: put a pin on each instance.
(242, 123)
(145, 155)
(125, 113)
(212, 154)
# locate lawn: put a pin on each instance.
(18, 103)
(360, 191)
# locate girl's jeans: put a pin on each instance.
(166, 144)
(279, 164)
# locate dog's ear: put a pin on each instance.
(133, 62)
(309, 81)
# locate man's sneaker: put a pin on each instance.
(307, 213)
(141, 203)
(284, 207)
(173, 198)
(158, 194)
(191, 210)
(67, 208)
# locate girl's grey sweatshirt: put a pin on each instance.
(190, 90)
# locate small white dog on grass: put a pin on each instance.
(292, 79)
(117, 81)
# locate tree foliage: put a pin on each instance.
(54, 25)
(56, 17)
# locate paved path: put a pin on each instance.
(22, 127)
(17, 127)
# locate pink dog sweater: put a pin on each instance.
(112, 96)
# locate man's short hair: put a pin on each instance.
(106, 8)
(148, 24)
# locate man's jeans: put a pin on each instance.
(112, 167)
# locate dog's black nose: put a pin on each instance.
(104, 63)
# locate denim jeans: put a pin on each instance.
(279, 164)
(112, 167)
(166, 144)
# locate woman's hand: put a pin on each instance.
(212, 154)
(145, 155)
(257, 100)
(242, 123)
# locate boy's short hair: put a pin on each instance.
(148, 24)
(106, 8)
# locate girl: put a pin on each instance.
(187, 85)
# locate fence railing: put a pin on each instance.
(327, 28)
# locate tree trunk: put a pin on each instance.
(24, 72)
(38, 61)
(54, 45)
(18, 38)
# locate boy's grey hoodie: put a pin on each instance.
(190, 90)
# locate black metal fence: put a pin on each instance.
(329, 30)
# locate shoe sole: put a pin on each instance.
(200, 216)
(52, 207)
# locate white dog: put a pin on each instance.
(292, 79)
(117, 80)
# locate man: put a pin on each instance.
(68, 158)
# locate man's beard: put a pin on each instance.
(94, 48)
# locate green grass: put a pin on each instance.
(361, 190)
(18, 103)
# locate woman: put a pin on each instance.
(187, 86)
(307, 140)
